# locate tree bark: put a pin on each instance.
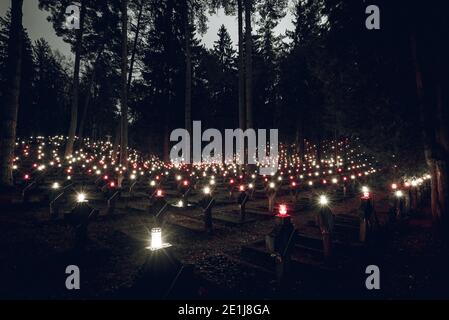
(249, 65)
(88, 96)
(241, 63)
(188, 75)
(86, 106)
(136, 41)
(168, 75)
(11, 98)
(123, 94)
(117, 136)
(118, 129)
(75, 85)
(435, 136)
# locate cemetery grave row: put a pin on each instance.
(90, 184)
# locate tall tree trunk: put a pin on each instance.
(86, 106)
(436, 140)
(75, 85)
(136, 41)
(168, 78)
(249, 65)
(88, 96)
(241, 63)
(11, 98)
(188, 75)
(118, 129)
(123, 94)
(166, 144)
(117, 134)
(300, 147)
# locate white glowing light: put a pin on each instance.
(81, 197)
(55, 186)
(272, 185)
(206, 190)
(180, 203)
(323, 200)
(365, 189)
(152, 183)
(399, 194)
(156, 238)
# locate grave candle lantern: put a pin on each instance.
(283, 212)
(81, 198)
(156, 238)
(366, 214)
(207, 203)
(398, 207)
(325, 219)
(323, 200)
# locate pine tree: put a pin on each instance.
(266, 59)
(11, 94)
(50, 98)
(300, 88)
(224, 50)
(222, 80)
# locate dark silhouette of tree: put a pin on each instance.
(430, 66)
(224, 50)
(50, 92)
(124, 85)
(299, 84)
(98, 29)
(248, 5)
(222, 79)
(26, 118)
(57, 11)
(266, 58)
(10, 103)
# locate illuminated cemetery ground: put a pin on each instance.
(217, 221)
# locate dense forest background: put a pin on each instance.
(328, 77)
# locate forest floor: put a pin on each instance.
(34, 253)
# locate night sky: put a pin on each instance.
(37, 26)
